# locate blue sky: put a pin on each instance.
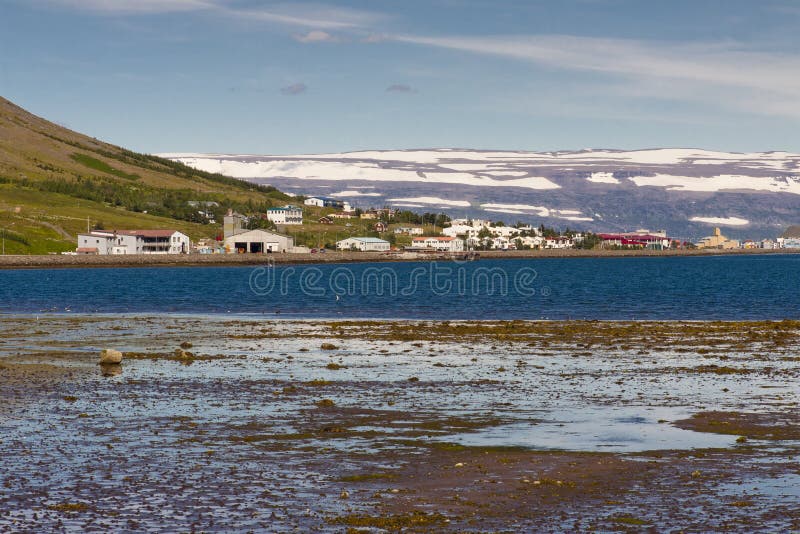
(249, 76)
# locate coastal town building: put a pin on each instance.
(324, 202)
(440, 244)
(499, 243)
(286, 215)
(638, 239)
(717, 241)
(532, 242)
(363, 244)
(233, 223)
(104, 242)
(409, 230)
(342, 215)
(456, 230)
(258, 242)
(473, 227)
(559, 242)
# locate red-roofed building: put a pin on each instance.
(657, 241)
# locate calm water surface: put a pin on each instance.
(691, 288)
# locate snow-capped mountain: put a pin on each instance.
(684, 191)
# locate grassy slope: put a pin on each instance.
(34, 151)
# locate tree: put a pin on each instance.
(589, 241)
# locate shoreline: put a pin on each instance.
(282, 318)
(239, 260)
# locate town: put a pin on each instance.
(324, 224)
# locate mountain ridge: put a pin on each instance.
(686, 191)
(54, 182)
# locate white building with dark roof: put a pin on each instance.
(440, 244)
(364, 244)
(286, 215)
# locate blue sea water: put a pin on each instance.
(687, 288)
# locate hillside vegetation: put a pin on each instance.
(55, 182)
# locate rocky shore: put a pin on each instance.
(381, 426)
(220, 260)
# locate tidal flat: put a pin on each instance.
(215, 423)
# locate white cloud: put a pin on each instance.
(135, 6)
(305, 15)
(315, 36)
(725, 73)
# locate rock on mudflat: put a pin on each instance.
(183, 354)
(110, 369)
(110, 356)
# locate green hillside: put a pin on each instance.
(52, 180)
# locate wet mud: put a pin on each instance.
(247, 424)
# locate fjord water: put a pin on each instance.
(688, 288)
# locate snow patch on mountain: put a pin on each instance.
(666, 188)
(603, 178)
(723, 182)
(349, 171)
(539, 211)
(433, 200)
(354, 194)
(721, 221)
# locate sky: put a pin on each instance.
(264, 77)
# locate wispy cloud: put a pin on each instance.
(725, 72)
(315, 36)
(299, 14)
(133, 6)
(294, 89)
(305, 15)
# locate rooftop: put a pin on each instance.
(367, 239)
(140, 233)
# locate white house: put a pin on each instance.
(258, 242)
(500, 243)
(559, 242)
(326, 202)
(505, 231)
(364, 244)
(460, 229)
(441, 244)
(134, 242)
(286, 215)
(534, 242)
